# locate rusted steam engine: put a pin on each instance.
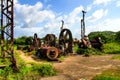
(48, 49)
(85, 42)
(51, 50)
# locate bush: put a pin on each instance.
(24, 40)
(75, 48)
(106, 36)
(88, 51)
(5, 74)
(32, 72)
(111, 48)
(45, 69)
(117, 37)
(82, 51)
(27, 71)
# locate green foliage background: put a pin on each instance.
(24, 40)
(106, 36)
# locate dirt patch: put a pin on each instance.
(30, 58)
(78, 67)
(82, 68)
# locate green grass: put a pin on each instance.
(108, 48)
(116, 57)
(44, 69)
(90, 51)
(112, 48)
(111, 74)
(31, 72)
(27, 71)
(75, 48)
(62, 58)
(106, 78)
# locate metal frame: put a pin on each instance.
(7, 26)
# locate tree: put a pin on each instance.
(117, 37)
(106, 36)
(20, 40)
(28, 40)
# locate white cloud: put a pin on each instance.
(76, 33)
(118, 4)
(29, 31)
(97, 2)
(15, 1)
(89, 8)
(74, 17)
(111, 24)
(76, 11)
(98, 14)
(30, 15)
(105, 25)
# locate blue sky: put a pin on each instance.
(44, 16)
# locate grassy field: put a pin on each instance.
(35, 71)
(111, 74)
(27, 71)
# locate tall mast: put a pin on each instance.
(83, 25)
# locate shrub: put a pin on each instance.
(106, 36)
(88, 51)
(31, 72)
(117, 37)
(45, 69)
(111, 48)
(75, 48)
(82, 51)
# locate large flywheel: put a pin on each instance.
(65, 41)
(50, 40)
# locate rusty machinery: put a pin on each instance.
(48, 50)
(85, 42)
(7, 32)
(65, 40)
(45, 48)
(36, 43)
(51, 50)
(84, 39)
(50, 40)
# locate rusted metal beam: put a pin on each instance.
(7, 33)
(83, 25)
(62, 25)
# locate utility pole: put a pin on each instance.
(7, 31)
(83, 25)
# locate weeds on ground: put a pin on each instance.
(116, 57)
(27, 71)
(108, 48)
(88, 51)
(111, 74)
